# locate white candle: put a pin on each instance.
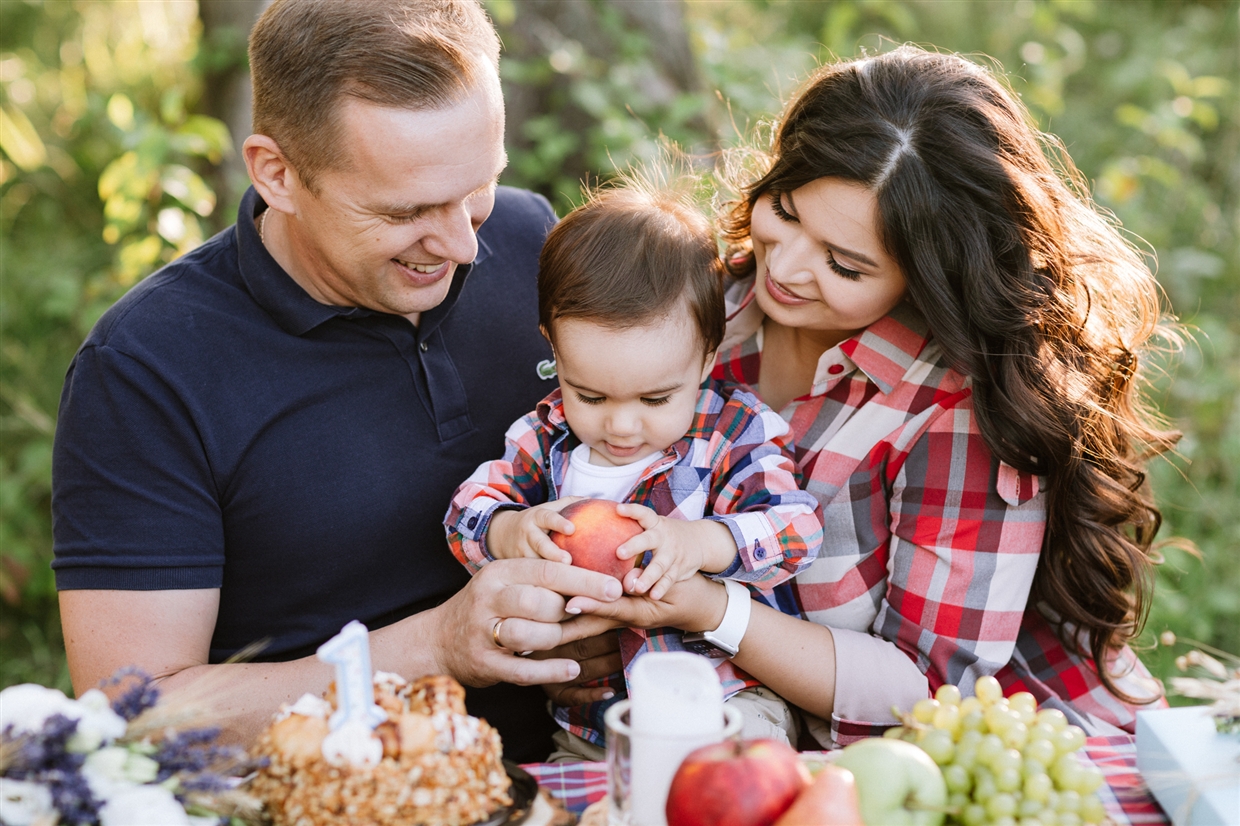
(677, 706)
(349, 652)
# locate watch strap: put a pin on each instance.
(727, 637)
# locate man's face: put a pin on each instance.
(389, 225)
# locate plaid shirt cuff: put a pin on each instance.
(469, 531)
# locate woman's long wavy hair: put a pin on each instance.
(1030, 291)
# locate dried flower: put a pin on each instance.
(80, 762)
(1221, 685)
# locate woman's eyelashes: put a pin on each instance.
(840, 269)
(777, 206)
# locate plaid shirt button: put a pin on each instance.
(759, 552)
(472, 523)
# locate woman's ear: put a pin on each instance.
(272, 175)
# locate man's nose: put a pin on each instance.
(453, 237)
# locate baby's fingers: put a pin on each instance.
(545, 548)
(649, 575)
(662, 587)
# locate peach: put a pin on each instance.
(599, 530)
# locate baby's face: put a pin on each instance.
(629, 393)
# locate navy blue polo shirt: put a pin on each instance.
(219, 428)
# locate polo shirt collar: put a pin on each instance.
(289, 304)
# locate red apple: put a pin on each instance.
(599, 531)
(749, 783)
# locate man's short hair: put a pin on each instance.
(306, 55)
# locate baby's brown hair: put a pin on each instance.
(631, 254)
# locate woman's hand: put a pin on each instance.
(696, 604)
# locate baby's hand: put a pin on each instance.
(523, 533)
(680, 549)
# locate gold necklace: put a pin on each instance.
(262, 225)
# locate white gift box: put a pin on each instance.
(1191, 769)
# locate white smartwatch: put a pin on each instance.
(725, 640)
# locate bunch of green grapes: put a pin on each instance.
(1005, 762)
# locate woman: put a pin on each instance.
(953, 333)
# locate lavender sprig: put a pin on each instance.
(139, 697)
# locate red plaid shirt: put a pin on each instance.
(930, 543)
(733, 466)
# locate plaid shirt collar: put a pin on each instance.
(885, 351)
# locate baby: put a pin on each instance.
(631, 299)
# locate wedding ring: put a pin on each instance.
(495, 631)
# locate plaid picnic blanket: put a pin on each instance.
(1125, 795)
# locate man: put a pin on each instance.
(258, 442)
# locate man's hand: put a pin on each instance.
(680, 548)
(598, 656)
(517, 534)
(530, 597)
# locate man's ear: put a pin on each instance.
(272, 175)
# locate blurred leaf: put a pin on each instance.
(20, 141)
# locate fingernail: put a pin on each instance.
(608, 694)
(612, 590)
(574, 610)
(574, 671)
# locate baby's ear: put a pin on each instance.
(708, 366)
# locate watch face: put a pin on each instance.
(698, 644)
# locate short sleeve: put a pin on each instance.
(134, 503)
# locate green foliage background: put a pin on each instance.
(105, 171)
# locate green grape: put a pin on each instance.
(1068, 819)
(1069, 739)
(923, 710)
(1008, 759)
(1038, 788)
(970, 704)
(938, 744)
(1023, 701)
(894, 733)
(1029, 807)
(966, 756)
(958, 800)
(1016, 736)
(1069, 802)
(1092, 810)
(1053, 717)
(947, 718)
(948, 695)
(1090, 779)
(1066, 772)
(1041, 731)
(987, 689)
(1049, 817)
(983, 785)
(1007, 780)
(1001, 805)
(973, 815)
(957, 778)
(969, 739)
(1042, 751)
(990, 748)
(973, 720)
(1052, 800)
(1000, 718)
(1004, 821)
(1031, 820)
(1030, 767)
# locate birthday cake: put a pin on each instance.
(425, 761)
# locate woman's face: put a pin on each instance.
(820, 265)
